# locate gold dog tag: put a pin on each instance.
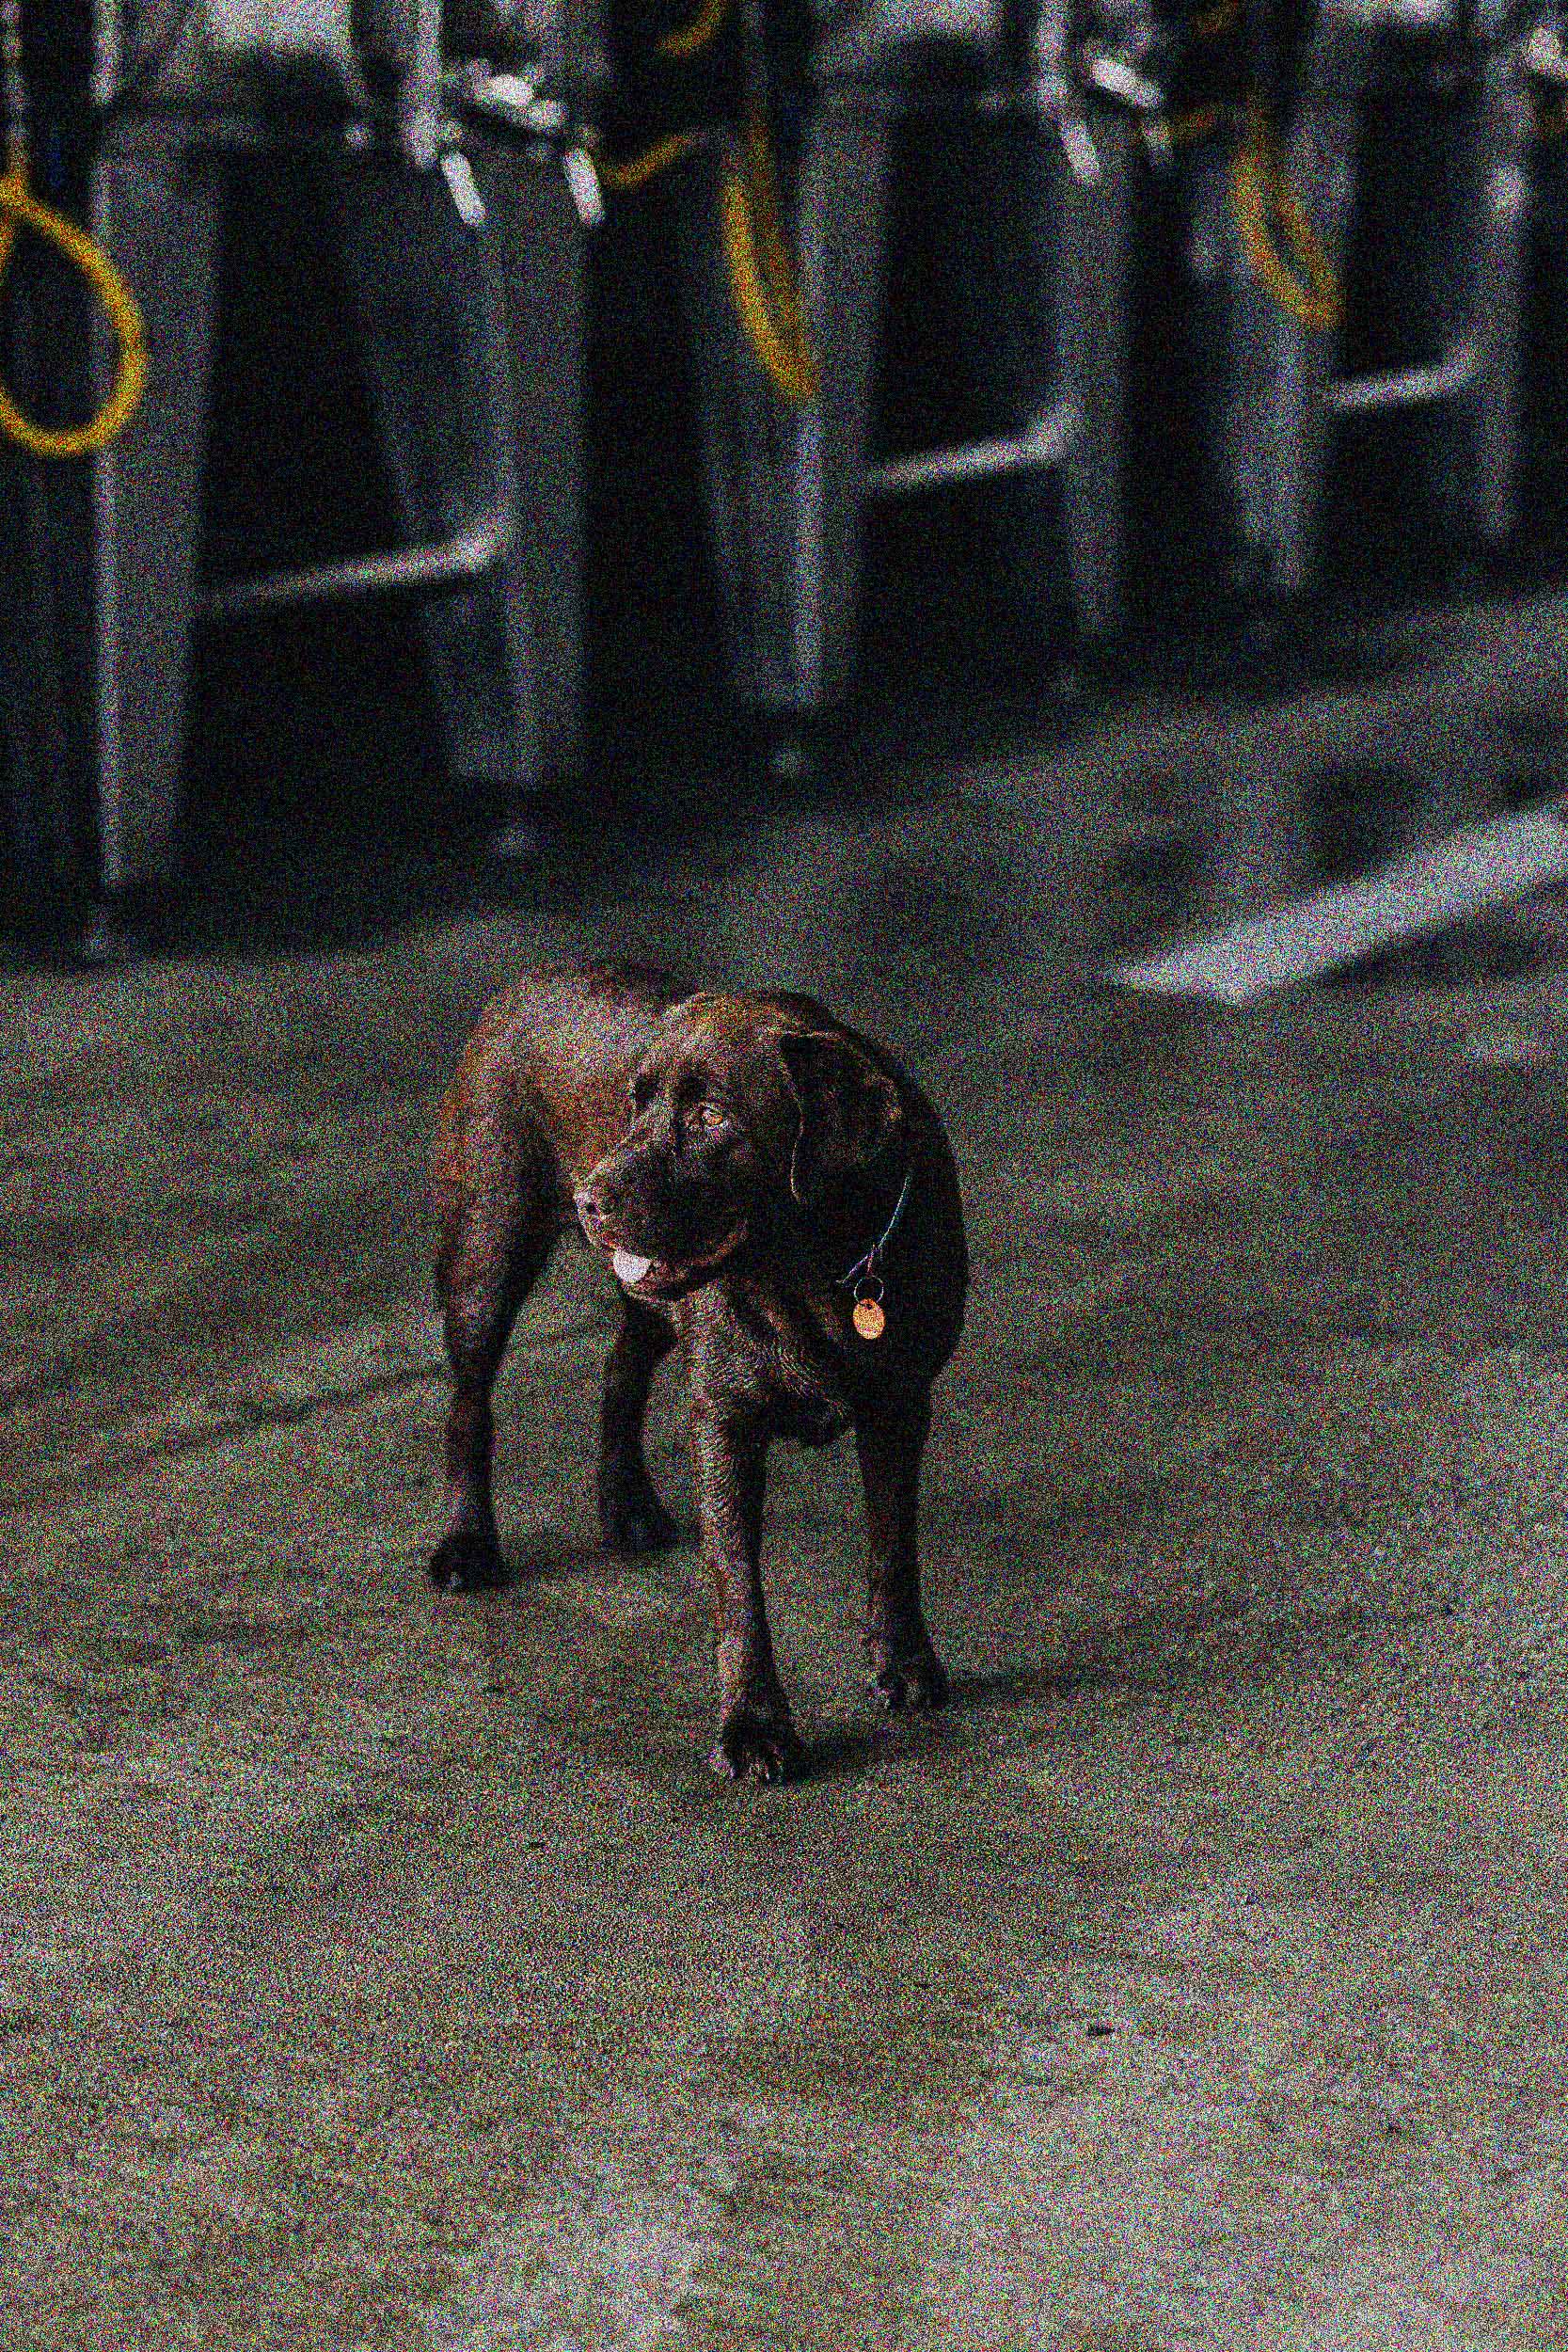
(869, 1318)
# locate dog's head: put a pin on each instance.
(743, 1107)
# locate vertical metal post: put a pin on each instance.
(747, 438)
(1086, 247)
(537, 252)
(419, 90)
(108, 50)
(156, 209)
(428, 311)
(1493, 266)
(1320, 165)
(843, 208)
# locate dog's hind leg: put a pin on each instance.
(630, 1512)
(905, 1671)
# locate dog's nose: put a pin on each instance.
(590, 1208)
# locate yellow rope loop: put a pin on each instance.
(20, 209)
(688, 39)
(778, 261)
(763, 282)
(1214, 22)
(1261, 197)
(761, 275)
(625, 179)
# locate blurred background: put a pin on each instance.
(562, 409)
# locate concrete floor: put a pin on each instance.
(386, 1970)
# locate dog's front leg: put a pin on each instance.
(756, 1738)
(890, 1438)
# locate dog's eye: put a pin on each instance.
(705, 1118)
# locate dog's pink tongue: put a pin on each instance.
(629, 1266)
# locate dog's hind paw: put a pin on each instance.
(751, 1746)
(637, 1523)
(911, 1685)
(467, 1561)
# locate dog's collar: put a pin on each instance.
(868, 1264)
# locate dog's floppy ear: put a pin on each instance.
(849, 1109)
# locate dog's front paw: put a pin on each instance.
(467, 1561)
(757, 1743)
(908, 1684)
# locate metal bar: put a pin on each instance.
(1545, 56)
(451, 563)
(1399, 16)
(107, 716)
(537, 275)
(1042, 444)
(161, 220)
(1087, 259)
(106, 51)
(112, 863)
(206, 127)
(842, 204)
(1405, 388)
(420, 97)
(1117, 79)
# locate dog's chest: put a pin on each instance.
(787, 1363)
(804, 1385)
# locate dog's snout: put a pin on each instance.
(590, 1207)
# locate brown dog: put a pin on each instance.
(771, 1191)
